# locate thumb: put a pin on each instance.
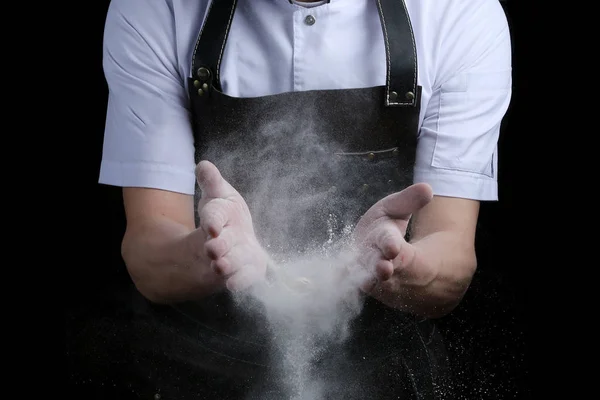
(403, 204)
(211, 182)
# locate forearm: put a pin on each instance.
(165, 266)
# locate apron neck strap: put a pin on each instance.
(401, 52)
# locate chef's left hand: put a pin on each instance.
(382, 250)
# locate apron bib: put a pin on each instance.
(309, 162)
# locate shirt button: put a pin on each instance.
(309, 20)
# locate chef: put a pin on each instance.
(244, 131)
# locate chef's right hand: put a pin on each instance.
(225, 221)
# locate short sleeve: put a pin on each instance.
(148, 140)
(457, 150)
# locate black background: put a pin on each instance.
(492, 326)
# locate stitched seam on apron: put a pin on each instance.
(387, 53)
(200, 35)
(225, 41)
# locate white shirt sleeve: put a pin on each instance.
(148, 140)
(457, 151)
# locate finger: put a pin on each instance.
(368, 257)
(243, 279)
(211, 183)
(368, 285)
(214, 217)
(365, 266)
(403, 204)
(405, 261)
(384, 269)
(388, 239)
(222, 267)
(218, 246)
(232, 261)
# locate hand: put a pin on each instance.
(225, 220)
(380, 234)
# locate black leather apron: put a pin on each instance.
(321, 159)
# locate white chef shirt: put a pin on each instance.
(464, 68)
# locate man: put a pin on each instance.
(380, 112)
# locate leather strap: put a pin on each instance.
(210, 46)
(401, 53)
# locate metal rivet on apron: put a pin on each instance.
(410, 95)
(371, 156)
(364, 187)
(203, 73)
(197, 84)
(205, 87)
(157, 396)
(390, 182)
(200, 92)
(393, 96)
(309, 20)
